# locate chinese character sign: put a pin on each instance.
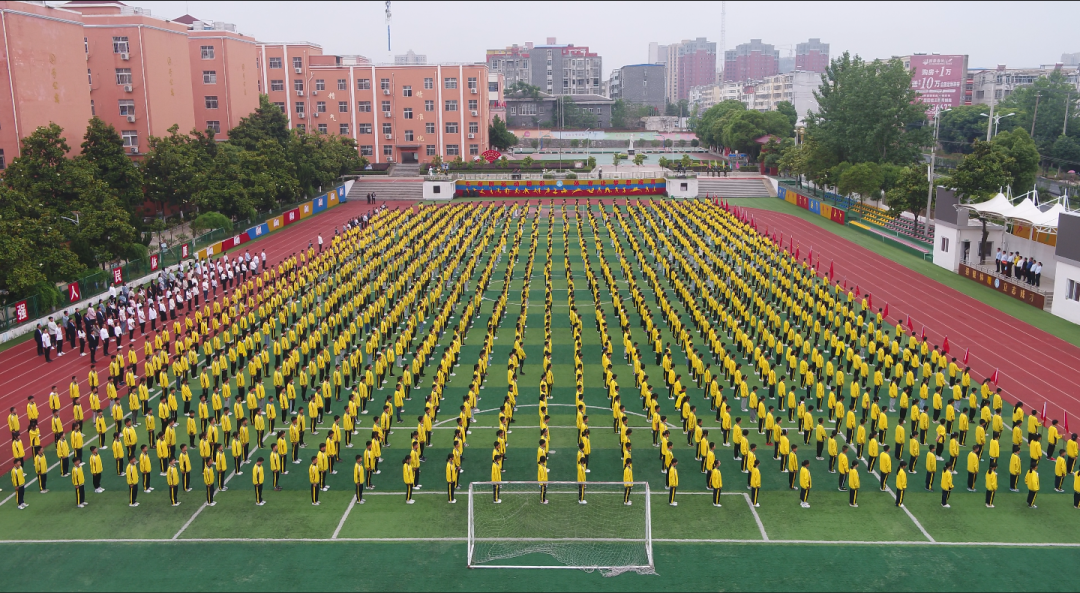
(153, 262)
(21, 312)
(73, 292)
(118, 276)
(939, 80)
(185, 250)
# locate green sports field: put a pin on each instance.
(385, 544)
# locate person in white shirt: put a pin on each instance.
(103, 335)
(46, 344)
(997, 260)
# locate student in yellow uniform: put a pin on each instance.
(973, 467)
(172, 479)
(805, 482)
(496, 477)
(409, 477)
(451, 478)
(672, 482)
(946, 487)
(991, 484)
(755, 482)
(131, 476)
(853, 486)
(96, 469)
(314, 475)
(901, 482)
(716, 482)
(210, 479)
(628, 481)
(41, 470)
(1032, 482)
(582, 477)
(258, 476)
(541, 476)
(78, 479)
(18, 481)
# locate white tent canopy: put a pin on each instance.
(1026, 212)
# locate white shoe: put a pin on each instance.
(854, 506)
(756, 504)
(417, 487)
(176, 504)
(410, 502)
(452, 501)
(134, 504)
(99, 490)
(334, 472)
(210, 504)
(945, 506)
(582, 502)
(588, 471)
(147, 491)
(43, 491)
(674, 504)
(260, 503)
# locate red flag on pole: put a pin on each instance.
(885, 314)
(966, 353)
(994, 377)
(857, 291)
(810, 256)
(945, 346)
(869, 300)
(797, 252)
(845, 284)
(910, 325)
(1044, 414)
(1066, 421)
(830, 270)
(923, 335)
(781, 243)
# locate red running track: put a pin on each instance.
(23, 373)
(1034, 366)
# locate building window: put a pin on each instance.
(89, 77)
(474, 149)
(343, 129)
(408, 136)
(280, 105)
(452, 150)
(301, 127)
(451, 127)
(388, 150)
(211, 101)
(363, 84)
(119, 45)
(298, 63)
(3, 161)
(123, 76)
(320, 84)
(430, 150)
(363, 106)
(472, 105)
(86, 45)
(343, 106)
(451, 83)
(320, 106)
(130, 137)
(408, 113)
(127, 107)
(363, 128)
(384, 84)
(429, 105)
(299, 108)
(429, 83)
(493, 87)
(277, 85)
(406, 91)
(1072, 290)
(93, 111)
(451, 105)
(386, 106)
(474, 128)
(322, 128)
(214, 125)
(387, 129)
(367, 150)
(342, 84)
(209, 76)
(429, 128)
(207, 52)
(513, 111)
(298, 85)
(527, 109)
(274, 63)
(472, 83)
(945, 244)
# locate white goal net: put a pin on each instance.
(520, 531)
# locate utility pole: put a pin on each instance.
(1035, 117)
(930, 173)
(993, 95)
(1065, 125)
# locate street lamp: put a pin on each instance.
(930, 172)
(997, 119)
(75, 220)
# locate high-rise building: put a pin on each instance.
(765, 94)
(751, 61)
(639, 84)
(657, 53)
(553, 68)
(1072, 59)
(812, 56)
(993, 85)
(690, 63)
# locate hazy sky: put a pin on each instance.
(1015, 34)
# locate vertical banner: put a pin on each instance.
(185, 250)
(73, 292)
(21, 312)
(118, 275)
(154, 262)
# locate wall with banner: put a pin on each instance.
(569, 188)
(837, 215)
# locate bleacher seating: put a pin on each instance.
(882, 218)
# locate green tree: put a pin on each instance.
(33, 250)
(103, 152)
(961, 126)
(787, 109)
(681, 108)
(742, 129)
(267, 122)
(211, 221)
(1025, 158)
(864, 179)
(172, 169)
(639, 159)
(1051, 93)
(500, 138)
(321, 159)
(523, 89)
(908, 194)
(1066, 153)
(709, 128)
(619, 117)
(979, 176)
(868, 112)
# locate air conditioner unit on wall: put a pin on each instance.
(133, 149)
(127, 88)
(299, 70)
(125, 56)
(386, 91)
(387, 114)
(473, 113)
(389, 136)
(472, 90)
(299, 93)
(131, 119)
(316, 114)
(314, 93)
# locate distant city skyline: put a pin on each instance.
(449, 34)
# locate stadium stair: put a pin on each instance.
(734, 187)
(411, 189)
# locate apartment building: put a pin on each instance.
(224, 74)
(751, 61)
(553, 68)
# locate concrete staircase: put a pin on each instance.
(411, 189)
(734, 187)
(405, 170)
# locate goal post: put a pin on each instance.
(521, 531)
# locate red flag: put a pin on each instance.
(781, 243)
(869, 300)
(796, 253)
(791, 243)
(1044, 414)
(966, 353)
(994, 377)
(923, 335)
(945, 346)
(845, 284)
(1066, 421)
(810, 256)
(857, 291)
(830, 271)
(885, 314)
(910, 325)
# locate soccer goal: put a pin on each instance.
(521, 531)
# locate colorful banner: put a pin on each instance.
(561, 188)
(331, 198)
(814, 205)
(185, 251)
(318, 204)
(275, 223)
(118, 275)
(21, 312)
(305, 210)
(259, 230)
(73, 292)
(154, 259)
(291, 216)
(342, 197)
